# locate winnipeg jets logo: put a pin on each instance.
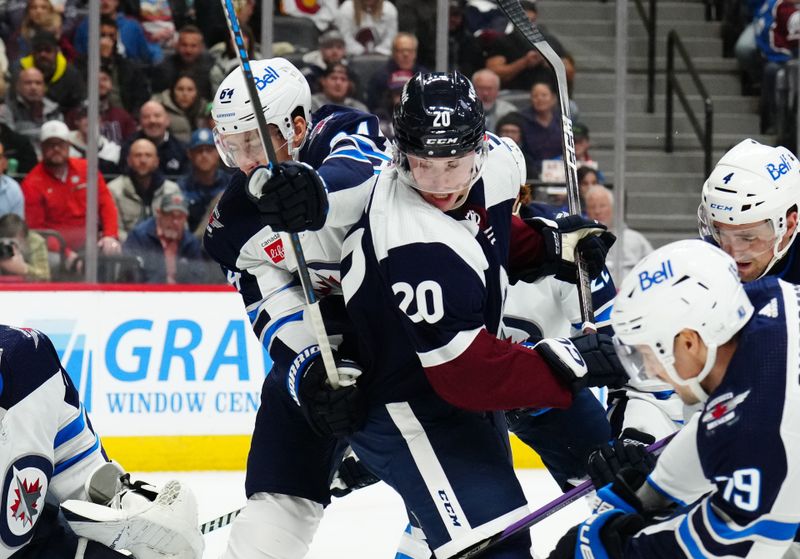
(24, 490)
(722, 409)
(213, 222)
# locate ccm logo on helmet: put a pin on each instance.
(648, 280)
(441, 141)
(776, 170)
(721, 207)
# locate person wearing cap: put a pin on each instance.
(205, 181)
(27, 109)
(332, 50)
(63, 80)
(404, 59)
(169, 253)
(55, 196)
(138, 190)
(336, 85)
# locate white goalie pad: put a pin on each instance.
(164, 528)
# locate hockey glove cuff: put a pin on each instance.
(602, 362)
(564, 360)
(293, 198)
(628, 451)
(329, 412)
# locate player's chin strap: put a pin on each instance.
(777, 253)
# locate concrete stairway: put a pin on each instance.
(663, 189)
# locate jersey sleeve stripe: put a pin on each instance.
(687, 540)
(61, 466)
(764, 528)
(71, 430)
(663, 492)
(272, 330)
(449, 351)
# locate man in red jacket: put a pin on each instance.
(55, 196)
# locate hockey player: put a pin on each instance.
(62, 498)
(749, 209)
(424, 276)
(340, 150)
(683, 316)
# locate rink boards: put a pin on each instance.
(171, 378)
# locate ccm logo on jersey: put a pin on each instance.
(274, 248)
(648, 279)
(776, 170)
(24, 490)
(722, 409)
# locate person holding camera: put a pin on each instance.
(23, 252)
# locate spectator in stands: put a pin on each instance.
(485, 19)
(13, 13)
(132, 42)
(157, 19)
(394, 89)
(186, 109)
(169, 253)
(332, 50)
(107, 149)
(746, 50)
(64, 82)
(517, 63)
(464, 52)
(17, 148)
(580, 135)
(137, 191)
(404, 58)
(510, 126)
(118, 124)
(368, 26)
(321, 12)
(11, 200)
(419, 19)
(190, 57)
(487, 86)
(23, 252)
(226, 59)
(3, 71)
(154, 124)
(128, 87)
(587, 178)
(28, 108)
(541, 125)
(336, 84)
(205, 182)
(600, 206)
(39, 16)
(55, 196)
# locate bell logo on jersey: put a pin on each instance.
(648, 279)
(24, 490)
(274, 248)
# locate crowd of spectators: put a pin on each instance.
(160, 63)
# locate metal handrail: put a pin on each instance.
(674, 88)
(649, 20)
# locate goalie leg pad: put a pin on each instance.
(159, 529)
(274, 526)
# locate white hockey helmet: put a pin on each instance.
(282, 90)
(687, 284)
(752, 184)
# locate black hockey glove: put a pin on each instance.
(564, 238)
(604, 535)
(628, 451)
(292, 199)
(329, 412)
(586, 360)
(351, 475)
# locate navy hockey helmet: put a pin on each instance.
(439, 115)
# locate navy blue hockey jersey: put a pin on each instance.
(742, 451)
(348, 150)
(47, 445)
(426, 290)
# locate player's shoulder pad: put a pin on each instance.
(331, 122)
(501, 177)
(27, 360)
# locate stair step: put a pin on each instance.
(638, 64)
(573, 27)
(661, 222)
(667, 203)
(715, 84)
(742, 124)
(661, 238)
(590, 103)
(593, 11)
(685, 166)
(681, 141)
(650, 182)
(580, 46)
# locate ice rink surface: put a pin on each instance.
(365, 524)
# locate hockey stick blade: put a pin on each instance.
(219, 522)
(515, 14)
(527, 522)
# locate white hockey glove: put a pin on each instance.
(149, 523)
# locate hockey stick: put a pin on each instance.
(263, 131)
(549, 509)
(219, 522)
(516, 15)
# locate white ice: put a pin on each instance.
(366, 523)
